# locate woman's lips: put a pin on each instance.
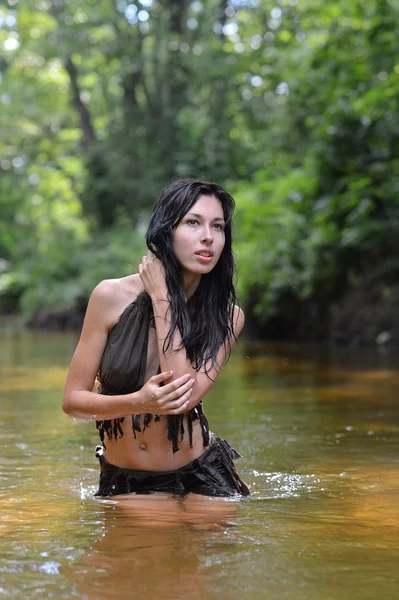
(205, 257)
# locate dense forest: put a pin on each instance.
(292, 105)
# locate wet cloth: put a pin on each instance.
(211, 474)
(122, 371)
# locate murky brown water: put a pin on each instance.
(319, 430)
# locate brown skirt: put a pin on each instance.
(211, 474)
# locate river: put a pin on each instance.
(318, 429)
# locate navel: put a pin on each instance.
(143, 446)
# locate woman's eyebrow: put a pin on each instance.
(201, 217)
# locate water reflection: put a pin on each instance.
(153, 543)
(162, 512)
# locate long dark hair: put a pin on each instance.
(206, 320)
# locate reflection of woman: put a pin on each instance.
(154, 545)
(157, 341)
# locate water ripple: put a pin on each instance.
(285, 485)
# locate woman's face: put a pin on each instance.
(198, 240)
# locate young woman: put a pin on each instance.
(156, 342)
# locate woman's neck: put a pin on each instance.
(190, 283)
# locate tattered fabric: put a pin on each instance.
(211, 474)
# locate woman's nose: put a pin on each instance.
(207, 235)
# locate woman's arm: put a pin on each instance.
(80, 401)
(175, 357)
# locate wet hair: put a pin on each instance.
(205, 321)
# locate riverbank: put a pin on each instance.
(366, 315)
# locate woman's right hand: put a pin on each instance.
(170, 399)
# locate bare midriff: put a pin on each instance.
(151, 450)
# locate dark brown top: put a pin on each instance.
(122, 371)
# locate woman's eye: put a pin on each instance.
(219, 226)
(192, 221)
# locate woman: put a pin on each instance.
(156, 342)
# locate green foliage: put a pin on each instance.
(62, 273)
(274, 246)
(292, 105)
(326, 206)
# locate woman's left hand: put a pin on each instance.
(152, 274)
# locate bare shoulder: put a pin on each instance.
(115, 290)
(111, 296)
(239, 320)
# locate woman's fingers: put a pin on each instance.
(148, 258)
(171, 397)
(160, 377)
(177, 398)
(174, 385)
(142, 265)
(177, 402)
(178, 393)
(181, 405)
(152, 274)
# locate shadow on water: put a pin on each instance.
(319, 431)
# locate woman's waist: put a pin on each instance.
(151, 450)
